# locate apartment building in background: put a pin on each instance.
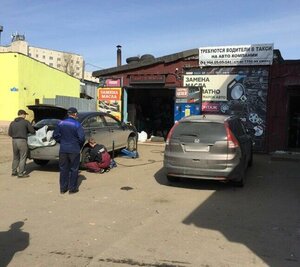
(71, 63)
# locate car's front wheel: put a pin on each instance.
(40, 162)
(131, 143)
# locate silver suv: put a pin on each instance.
(213, 147)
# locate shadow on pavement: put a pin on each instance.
(264, 215)
(161, 178)
(11, 242)
(51, 166)
(81, 177)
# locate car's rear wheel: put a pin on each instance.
(172, 178)
(131, 143)
(40, 162)
(84, 157)
(250, 162)
(241, 181)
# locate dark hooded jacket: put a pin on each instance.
(19, 128)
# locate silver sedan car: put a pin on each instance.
(103, 127)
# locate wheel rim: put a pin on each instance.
(131, 144)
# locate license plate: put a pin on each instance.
(196, 149)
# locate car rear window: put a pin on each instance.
(206, 132)
(51, 123)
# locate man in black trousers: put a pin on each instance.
(70, 134)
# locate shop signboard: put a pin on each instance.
(147, 79)
(236, 55)
(241, 91)
(185, 109)
(214, 87)
(109, 101)
(113, 82)
(187, 102)
(188, 94)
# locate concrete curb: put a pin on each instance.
(162, 144)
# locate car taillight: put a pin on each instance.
(170, 133)
(232, 142)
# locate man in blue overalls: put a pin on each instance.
(69, 133)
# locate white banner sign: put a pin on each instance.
(214, 87)
(236, 55)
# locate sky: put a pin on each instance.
(93, 28)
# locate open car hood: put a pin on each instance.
(43, 111)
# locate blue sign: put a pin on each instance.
(14, 89)
(186, 109)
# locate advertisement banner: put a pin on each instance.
(109, 101)
(245, 90)
(214, 87)
(185, 109)
(188, 95)
(236, 55)
(208, 107)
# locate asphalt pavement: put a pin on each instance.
(132, 216)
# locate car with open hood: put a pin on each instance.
(103, 127)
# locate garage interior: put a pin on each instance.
(151, 110)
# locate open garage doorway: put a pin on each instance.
(151, 110)
(294, 121)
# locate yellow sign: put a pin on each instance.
(110, 101)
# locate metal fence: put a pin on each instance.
(65, 101)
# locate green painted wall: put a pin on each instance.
(23, 80)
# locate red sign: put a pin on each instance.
(181, 92)
(109, 94)
(112, 82)
(210, 107)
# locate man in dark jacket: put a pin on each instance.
(99, 158)
(69, 133)
(18, 130)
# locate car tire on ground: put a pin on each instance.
(40, 162)
(172, 178)
(131, 143)
(241, 182)
(84, 157)
(250, 160)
